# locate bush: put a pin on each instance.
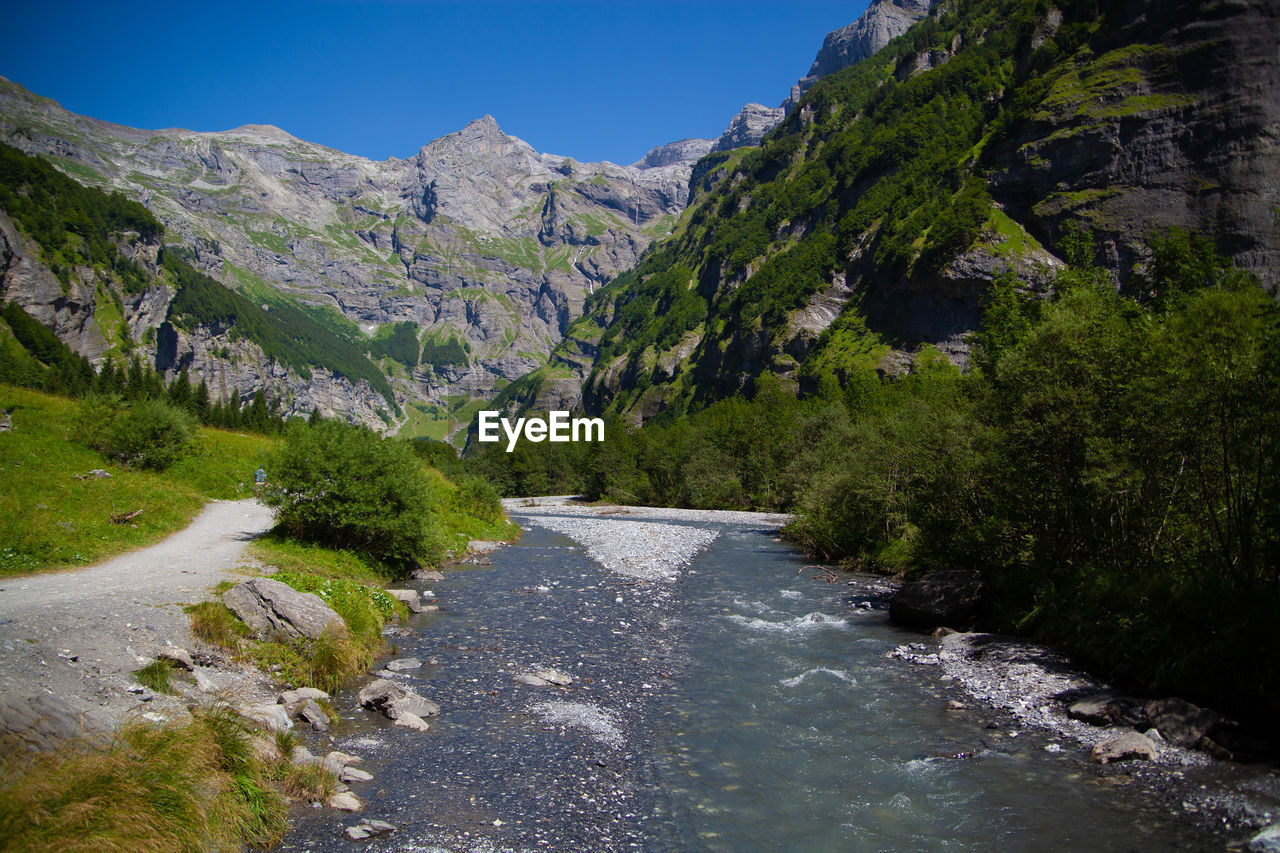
(344, 487)
(149, 434)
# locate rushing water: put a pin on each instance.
(744, 706)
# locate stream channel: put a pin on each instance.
(736, 703)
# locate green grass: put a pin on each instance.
(186, 786)
(157, 675)
(51, 519)
(1017, 242)
(297, 558)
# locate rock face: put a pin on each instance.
(476, 238)
(270, 607)
(749, 126)
(950, 597)
(684, 152)
(43, 721)
(883, 22)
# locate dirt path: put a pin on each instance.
(78, 635)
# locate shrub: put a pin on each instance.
(149, 434)
(344, 487)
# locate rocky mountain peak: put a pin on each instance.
(749, 126)
(686, 151)
(883, 21)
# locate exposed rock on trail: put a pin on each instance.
(273, 608)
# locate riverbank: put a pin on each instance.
(1038, 690)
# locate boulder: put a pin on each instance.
(409, 597)
(950, 597)
(403, 664)
(554, 676)
(1181, 722)
(302, 756)
(1124, 746)
(351, 774)
(368, 829)
(345, 802)
(393, 700)
(270, 607)
(426, 575)
(531, 680)
(314, 714)
(204, 682)
(43, 721)
(273, 717)
(1100, 709)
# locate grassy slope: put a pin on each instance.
(51, 519)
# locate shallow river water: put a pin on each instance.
(741, 705)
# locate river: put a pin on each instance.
(740, 702)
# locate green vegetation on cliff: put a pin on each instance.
(285, 333)
(72, 223)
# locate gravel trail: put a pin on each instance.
(78, 634)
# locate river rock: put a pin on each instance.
(403, 664)
(554, 676)
(302, 756)
(1181, 722)
(1123, 746)
(274, 717)
(368, 829)
(343, 757)
(302, 694)
(532, 680)
(409, 597)
(393, 700)
(270, 607)
(412, 721)
(312, 713)
(345, 801)
(263, 749)
(352, 774)
(1266, 841)
(1100, 709)
(950, 597)
(426, 575)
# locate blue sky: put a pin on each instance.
(591, 80)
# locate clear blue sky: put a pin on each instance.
(592, 80)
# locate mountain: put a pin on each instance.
(484, 246)
(881, 23)
(994, 138)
